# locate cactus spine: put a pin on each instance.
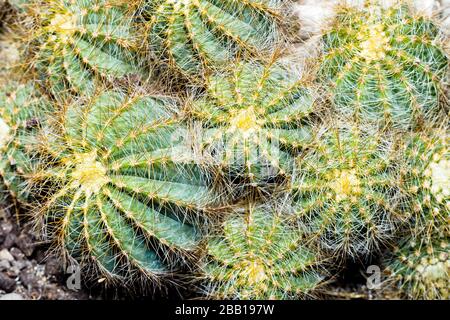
(123, 198)
(385, 66)
(260, 257)
(193, 34)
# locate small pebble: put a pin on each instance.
(6, 255)
(10, 240)
(6, 283)
(11, 296)
(16, 253)
(4, 265)
(24, 242)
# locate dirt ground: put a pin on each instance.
(26, 271)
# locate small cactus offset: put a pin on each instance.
(261, 257)
(345, 188)
(421, 270)
(252, 116)
(385, 66)
(193, 34)
(79, 40)
(425, 182)
(22, 108)
(121, 198)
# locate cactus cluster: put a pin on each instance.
(125, 124)
(384, 65)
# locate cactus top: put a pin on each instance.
(384, 66)
(123, 190)
(252, 114)
(260, 257)
(193, 34)
(81, 40)
(343, 189)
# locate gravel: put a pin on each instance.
(11, 296)
(26, 273)
(6, 256)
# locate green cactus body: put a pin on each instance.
(21, 110)
(252, 116)
(344, 191)
(425, 181)
(193, 34)
(384, 65)
(19, 5)
(422, 271)
(128, 195)
(260, 257)
(81, 40)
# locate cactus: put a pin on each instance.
(127, 195)
(18, 5)
(252, 116)
(345, 190)
(420, 270)
(21, 110)
(385, 66)
(193, 34)
(425, 181)
(81, 40)
(259, 256)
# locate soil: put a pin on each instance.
(26, 271)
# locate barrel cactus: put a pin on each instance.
(344, 191)
(22, 109)
(78, 41)
(252, 116)
(122, 192)
(385, 65)
(259, 256)
(193, 34)
(421, 270)
(425, 181)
